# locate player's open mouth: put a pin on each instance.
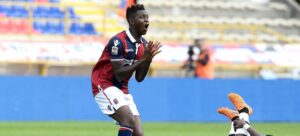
(146, 26)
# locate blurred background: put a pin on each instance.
(210, 48)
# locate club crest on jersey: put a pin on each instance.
(116, 101)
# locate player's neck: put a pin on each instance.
(135, 35)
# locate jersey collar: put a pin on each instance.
(131, 37)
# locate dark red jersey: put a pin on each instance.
(121, 47)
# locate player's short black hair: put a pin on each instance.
(133, 9)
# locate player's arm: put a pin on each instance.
(116, 50)
(242, 124)
(152, 49)
(121, 72)
(253, 132)
(120, 69)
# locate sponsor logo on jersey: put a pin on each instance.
(129, 50)
(128, 62)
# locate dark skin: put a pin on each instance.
(141, 67)
(239, 123)
(138, 26)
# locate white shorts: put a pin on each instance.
(112, 98)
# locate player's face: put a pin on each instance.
(141, 22)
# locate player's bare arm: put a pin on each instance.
(121, 71)
(242, 124)
(152, 49)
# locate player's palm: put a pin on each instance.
(154, 48)
(147, 51)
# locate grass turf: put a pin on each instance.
(151, 129)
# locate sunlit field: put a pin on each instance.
(151, 129)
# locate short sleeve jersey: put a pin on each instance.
(121, 47)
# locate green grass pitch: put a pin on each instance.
(151, 129)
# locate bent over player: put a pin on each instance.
(126, 53)
(240, 125)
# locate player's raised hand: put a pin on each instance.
(154, 48)
(147, 51)
(151, 50)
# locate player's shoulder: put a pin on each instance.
(121, 35)
(118, 38)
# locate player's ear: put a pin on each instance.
(131, 20)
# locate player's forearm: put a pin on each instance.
(142, 71)
(253, 132)
(125, 72)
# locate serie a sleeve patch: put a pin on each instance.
(115, 48)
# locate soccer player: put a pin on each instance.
(240, 124)
(126, 53)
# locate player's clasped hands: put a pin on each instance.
(151, 50)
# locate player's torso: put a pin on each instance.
(133, 52)
(103, 69)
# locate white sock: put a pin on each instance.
(232, 132)
(244, 116)
(242, 131)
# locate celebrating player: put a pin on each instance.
(126, 53)
(240, 125)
